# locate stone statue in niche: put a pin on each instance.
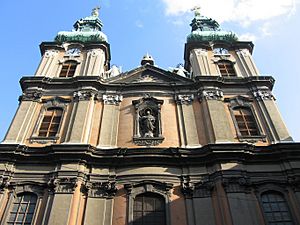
(147, 124)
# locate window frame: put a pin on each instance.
(51, 122)
(283, 198)
(151, 195)
(14, 202)
(56, 102)
(227, 75)
(243, 102)
(155, 187)
(64, 63)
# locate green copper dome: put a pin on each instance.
(87, 29)
(207, 29)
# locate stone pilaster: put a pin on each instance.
(62, 190)
(269, 110)
(23, 119)
(99, 203)
(110, 121)
(199, 62)
(81, 119)
(187, 123)
(217, 118)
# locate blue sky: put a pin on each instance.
(159, 27)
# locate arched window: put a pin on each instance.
(149, 209)
(226, 68)
(68, 69)
(50, 123)
(22, 209)
(275, 209)
(245, 121)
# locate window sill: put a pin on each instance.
(252, 138)
(43, 140)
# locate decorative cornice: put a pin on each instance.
(263, 95)
(112, 99)
(101, 189)
(4, 183)
(211, 94)
(184, 99)
(236, 184)
(148, 186)
(63, 185)
(31, 96)
(83, 95)
(148, 141)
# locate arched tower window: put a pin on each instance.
(226, 68)
(245, 121)
(275, 209)
(22, 210)
(149, 209)
(50, 123)
(68, 69)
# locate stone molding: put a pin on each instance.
(31, 96)
(237, 184)
(83, 95)
(4, 183)
(63, 185)
(211, 94)
(185, 99)
(149, 186)
(200, 189)
(263, 95)
(201, 51)
(51, 53)
(101, 189)
(111, 99)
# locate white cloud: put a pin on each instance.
(242, 11)
(139, 24)
(248, 37)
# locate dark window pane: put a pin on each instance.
(275, 209)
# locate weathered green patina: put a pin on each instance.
(87, 29)
(207, 29)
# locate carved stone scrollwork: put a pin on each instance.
(83, 95)
(31, 96)
(203, 188)
(101, 189)
(211, 94)
(236, 184)
(294, 182)
(112, 99)
(263, 95)
(63, 185)
(184, 99)
(148, 130)
(4, 183)
(201, 51)
(50, 53)
(187, 187)
(148, 186)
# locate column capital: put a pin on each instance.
(112, 99)
(211, 94)
(263, 95)
(184, 99)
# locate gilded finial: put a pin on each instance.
(95, 11)
(196, 10)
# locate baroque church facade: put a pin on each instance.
(201, 144)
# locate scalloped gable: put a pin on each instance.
(149, 74)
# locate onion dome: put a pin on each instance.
(87, 29)
(207, 29)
